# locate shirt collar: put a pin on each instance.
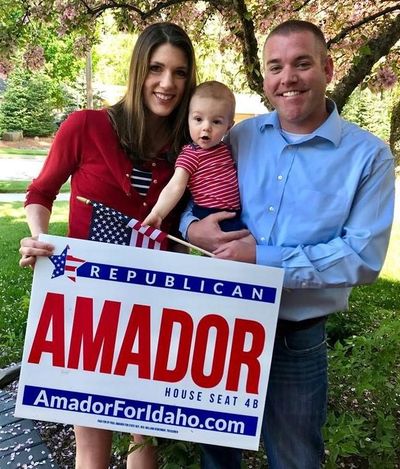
(330, 130)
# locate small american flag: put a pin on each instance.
(65, 263)
(110, 226)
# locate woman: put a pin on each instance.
(123, 157)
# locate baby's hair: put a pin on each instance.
(216, 90)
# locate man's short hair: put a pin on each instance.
(216, 90)
(299, 26)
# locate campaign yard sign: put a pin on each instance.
(152, 342)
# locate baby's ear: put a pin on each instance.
(231, 125)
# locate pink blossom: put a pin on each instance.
(5, 68)
(60, 5)
(69, 13)
(82, 46)
(62, 30)
(386, 77)
(34, 58)
(264, 26)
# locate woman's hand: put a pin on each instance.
(31, 248)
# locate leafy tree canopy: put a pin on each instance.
(362, 35)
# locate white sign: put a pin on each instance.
(149, 342)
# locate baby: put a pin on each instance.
(206, 165)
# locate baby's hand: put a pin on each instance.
(153, 220)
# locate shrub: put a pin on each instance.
(364, 394)
(27, 104)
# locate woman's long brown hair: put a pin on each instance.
(128, 115)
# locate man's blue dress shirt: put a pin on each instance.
(320, 208)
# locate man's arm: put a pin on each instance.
(206, 233)
(355, 257)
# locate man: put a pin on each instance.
(317, 195)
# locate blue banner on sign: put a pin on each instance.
(139, 411)
(174, 281)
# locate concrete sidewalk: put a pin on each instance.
(21, 197)
(21, 169)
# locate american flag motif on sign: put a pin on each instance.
(110, 226)
(64, 262)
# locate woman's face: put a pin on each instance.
(165, 83)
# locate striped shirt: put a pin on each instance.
(213, 180)
(141, 180)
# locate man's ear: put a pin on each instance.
(329, 69)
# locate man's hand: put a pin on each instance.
(243, 250)
(207, 234)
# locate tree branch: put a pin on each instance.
(144, 15)
(299, 8)
(362, 64)
(360, 23)
(395, 132)
(247, 38)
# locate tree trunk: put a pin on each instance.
(395, 132)
(89, 86)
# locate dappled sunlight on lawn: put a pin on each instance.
(13, 210)
(391, 268)
(16, 213)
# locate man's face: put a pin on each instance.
(296, 73)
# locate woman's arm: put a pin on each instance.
(38, 218)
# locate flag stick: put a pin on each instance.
(172, 238)
(192, 246)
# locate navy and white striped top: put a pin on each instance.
(141, 180)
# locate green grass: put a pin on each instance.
(391, 269)
(15, 283)
(22, 152)
(19, 187)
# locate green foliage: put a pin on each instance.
(364, 397)
(27, 104)
(370, 111)
(171, 454)
(175, 454)
(112, 54)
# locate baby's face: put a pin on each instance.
(209, 120)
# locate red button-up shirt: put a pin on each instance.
(87, 148)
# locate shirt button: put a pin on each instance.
(153, 164)
(155, 181)
(262, 239)
(303, 284)
(271, 208)
(144, 204)
(280, 177)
